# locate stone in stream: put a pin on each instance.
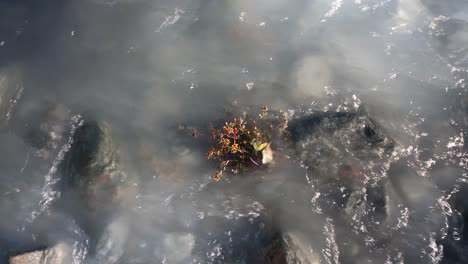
(345, 155)
(255, 240)
(325, 137)
(340, 152)
(59, 254)
(28, 258)
(339, 148)
(41, 128)
(92, 170)
(96, 174)
(241, 229)
(94, 167)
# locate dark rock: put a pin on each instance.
(244, 231)
(97, 182)
(331, 143)
(222, 240)
(345, 154)
(95, 169)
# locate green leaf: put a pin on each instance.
(261, 146)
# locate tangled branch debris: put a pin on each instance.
(245, 143)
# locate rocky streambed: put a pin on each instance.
(339, 168)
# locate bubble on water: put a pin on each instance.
(335, 6)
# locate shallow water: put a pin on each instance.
(146, 67)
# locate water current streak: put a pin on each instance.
(331, 252)
(49, 192)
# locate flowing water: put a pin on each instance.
(147, 67)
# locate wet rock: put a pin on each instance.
(331, 143)
(28, 258)
(59, 254)
(99, 186)
(94, 166)
(242, 230)
(222, 240)
(344, 154)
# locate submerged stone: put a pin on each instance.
(95, 167)
(242, 230)
(326, 141)
(345, 155)
(97, 182)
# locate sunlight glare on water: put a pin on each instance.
(119, 93)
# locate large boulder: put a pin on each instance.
(345, 155)
(94, 167)
(323, 138)
(98, 185)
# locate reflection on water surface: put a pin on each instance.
(96, 169)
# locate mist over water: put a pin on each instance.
(145, 68)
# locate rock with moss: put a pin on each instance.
(95, 169)
(97, 180)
